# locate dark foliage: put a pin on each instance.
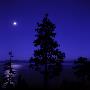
(9, 74)
(71, 85)
(47, 53)
(82, 69)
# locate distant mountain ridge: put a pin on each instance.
(15, 61)
(27, 61)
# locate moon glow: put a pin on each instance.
(14, 23)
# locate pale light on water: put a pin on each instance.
(16, 66)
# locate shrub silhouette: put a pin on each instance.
(82, 69)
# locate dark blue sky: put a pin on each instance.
(72, 19)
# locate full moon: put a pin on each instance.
(14, 23)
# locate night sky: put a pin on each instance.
(72, 19)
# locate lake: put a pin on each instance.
(35, 78)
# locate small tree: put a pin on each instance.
(9, 73)
(47, 57)
(82, 69)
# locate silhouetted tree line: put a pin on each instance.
(47, 60)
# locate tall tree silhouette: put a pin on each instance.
(47, 53)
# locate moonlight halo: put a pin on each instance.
(14, 23)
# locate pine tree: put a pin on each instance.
(9, 73)
(47, 53)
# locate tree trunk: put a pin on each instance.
(46, 77)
